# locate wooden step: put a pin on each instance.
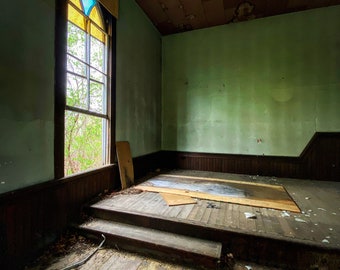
(165, 245)
(172, 225)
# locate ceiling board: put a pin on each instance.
(214, 12)
(194, 13)
(174, 16)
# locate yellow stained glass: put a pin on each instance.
(98, 34)
(79, 19)
(76, 17)
(76, 3)
(96, 18)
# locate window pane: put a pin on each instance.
(97, 97)
(76, 91)
(97, 54)
(96, 75)
(75, 66)
(76, 40)
(84, 143)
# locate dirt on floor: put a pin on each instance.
(72, 248)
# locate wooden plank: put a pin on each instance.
(279, 204)
(186, 209)
(152, 238)
(194, 13)
(220, 180)
(174, 199)
(125, 164)
(214, 12)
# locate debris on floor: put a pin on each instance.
(212, 205)
(250, 215)
(72, 247)
(300, 220)
(285, 214)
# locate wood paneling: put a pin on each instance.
(33, 217)
(320, 160)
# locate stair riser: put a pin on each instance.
(167, 225)
(244, 246)
(165, 253)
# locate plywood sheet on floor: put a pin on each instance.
(245, 193)
(174, 199)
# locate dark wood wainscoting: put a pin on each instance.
(320, 160)
(32, 218)
(145, 164)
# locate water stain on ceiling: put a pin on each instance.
(174, 16)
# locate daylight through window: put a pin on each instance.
(86, 117)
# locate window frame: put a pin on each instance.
(61, 20)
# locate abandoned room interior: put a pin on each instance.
(185, 130)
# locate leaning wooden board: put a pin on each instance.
(125, 164)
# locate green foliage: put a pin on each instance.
(84, 134)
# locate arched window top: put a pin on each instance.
(90, 9)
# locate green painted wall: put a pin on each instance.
(27, 93)
(138, 96)
(276, 79)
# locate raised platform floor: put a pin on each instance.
(290, 240)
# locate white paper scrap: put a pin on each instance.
(285, 214)
(250, 215)
(300, 220)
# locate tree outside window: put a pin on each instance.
(86, 113)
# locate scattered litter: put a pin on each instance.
(3, 182)
(316, 224)
(300, 220)
(248, 267)
(328, 237)
(311, 230)
(331, 229)
(212, 205)
(310, 210)
(325, 241)
(334, 213)
(322, 209)
(250, 215)
(314, 215)
(302, 212)
(307, 215)
(285, 214)
(307, 198)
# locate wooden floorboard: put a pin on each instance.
(317, 200)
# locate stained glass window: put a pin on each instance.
(88, 5)
(86, 118)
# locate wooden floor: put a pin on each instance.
(318, 224)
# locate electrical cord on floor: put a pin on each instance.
(87, 258)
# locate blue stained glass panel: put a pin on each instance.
(88, 5)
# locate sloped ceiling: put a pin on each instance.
(174, 16)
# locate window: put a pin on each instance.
(86, 115)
